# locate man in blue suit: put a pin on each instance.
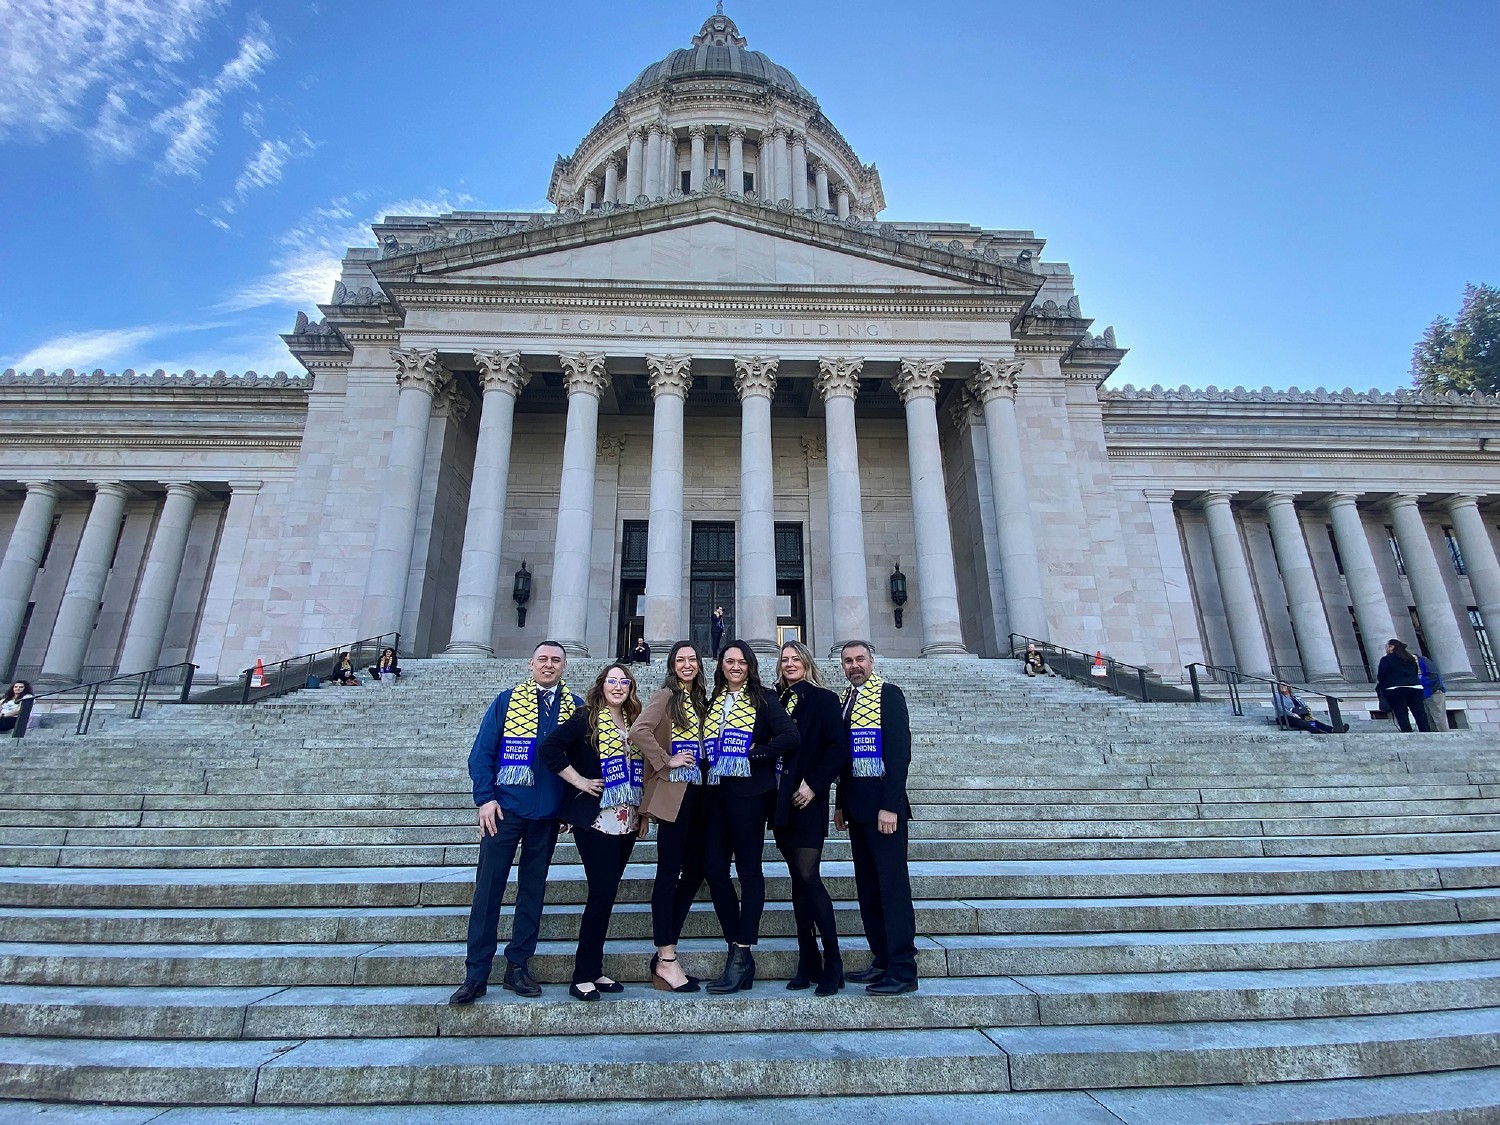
(518, 799)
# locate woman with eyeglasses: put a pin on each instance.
(801, 821)
(593, 754)
(748, 735)
(669, 734)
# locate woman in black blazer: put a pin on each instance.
(746, 732)
(801, 821)
(593, 754)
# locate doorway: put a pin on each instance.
(711, 584)
(632, 621)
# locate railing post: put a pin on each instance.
(24, 717)
(187, 683)
(1335, 716)
(1197, 690)
(1145, 693)
(245, 691)
(140, 696)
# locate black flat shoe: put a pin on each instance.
(866, 976)
(580, 994)
(610, 986)
(890, 987)
(468, 992)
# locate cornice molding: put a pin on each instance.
(1320, 395)
(72, 441)
(250, 380)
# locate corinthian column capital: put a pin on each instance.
(996, 378)
(837, 376)
(699, 131)
(669, 375)
(502, 371)
(965, 410)
(450, 402)
(755, 375)
(919, 378)
(419, 368)
(584, 373)
(736, 132)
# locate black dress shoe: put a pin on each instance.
(890, 987)
(577, 992)
(519, 981)
(468, 992)
(866, 976)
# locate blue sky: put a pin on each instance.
(1266, 193)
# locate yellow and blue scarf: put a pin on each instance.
(619, 763)
(518, 734)
(728, 731)
(865, 742)
(688, 740)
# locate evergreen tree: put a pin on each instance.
(1462, 354)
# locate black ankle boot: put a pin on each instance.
(739, 972)
(809, 968)
(833, 976)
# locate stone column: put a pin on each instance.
(23, 557)
(668, 159)
(838, 383)
(1480, 563)
(994, 386)
(590, 193)
(635, 159)
(71, 633)
(1372, 613)
(153, 600)
(765, 186)
(224, 579)
(782, 163)
(1174, 573)
(736, 184)
(937, 587)
(820, 170)
(755, 380)
(799, 171)
(420, 377)
(1235, 587)
(612, 181)
(843, 203)
(671, 377)
(698, 168)
(651, 182)
(1445, 644)
(503, 378)
(567, 618)
(1320, 660)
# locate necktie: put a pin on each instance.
(849, 706)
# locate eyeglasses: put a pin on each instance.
(615, 681)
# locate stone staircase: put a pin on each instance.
(1129, 912)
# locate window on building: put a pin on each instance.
(1453, 552)
(47, 546)
(687, 181)
(1419, 639)
(1333, 543)
(1359, 645)
(1390, 537)
(749, 183)
(1482, 638)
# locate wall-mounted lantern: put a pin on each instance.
(898, 590)
(521, 592)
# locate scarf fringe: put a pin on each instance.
(516, 775)
(868, 767)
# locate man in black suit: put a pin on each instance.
(872, 804)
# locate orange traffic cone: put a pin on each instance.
(1098, 668)
(258, 677)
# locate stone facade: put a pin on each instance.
(714, 345)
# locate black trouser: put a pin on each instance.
(883, 882)
(604, 859)
(1406, 702)
(536, 839)
(679, 868)
(736, 829)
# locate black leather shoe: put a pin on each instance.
(832, 979)
(468, 992)
(579, 994)
(890, 987)
(866, 976)
(809, 969)
(739, 972)
(519, 981)
(610, 986)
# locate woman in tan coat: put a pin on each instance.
(669, 736)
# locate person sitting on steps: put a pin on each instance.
(1293, 714)
(1034, 663)
(387, 664)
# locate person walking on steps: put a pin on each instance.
(748, 736)
(801, 820)
(518, 801)
(1398, 684)
(873, 805)
(1434, 694)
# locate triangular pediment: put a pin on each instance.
(704, 241)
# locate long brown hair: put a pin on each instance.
(752, 672)
(804, 654)
(681, 692)
(1402, 653)
(630, 710)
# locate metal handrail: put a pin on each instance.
(91, 692)
(286, 676)
(1233, 678)
(1109, 680)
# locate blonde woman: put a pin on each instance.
(592, 753)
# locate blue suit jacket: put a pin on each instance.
(539, 801)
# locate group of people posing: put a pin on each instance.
(712, 760)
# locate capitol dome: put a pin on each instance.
(718, 51)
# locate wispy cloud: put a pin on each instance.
(59, 53)
(191, 126)
(251, 344)
(310, 255)
(264, 168)
(89, 349)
